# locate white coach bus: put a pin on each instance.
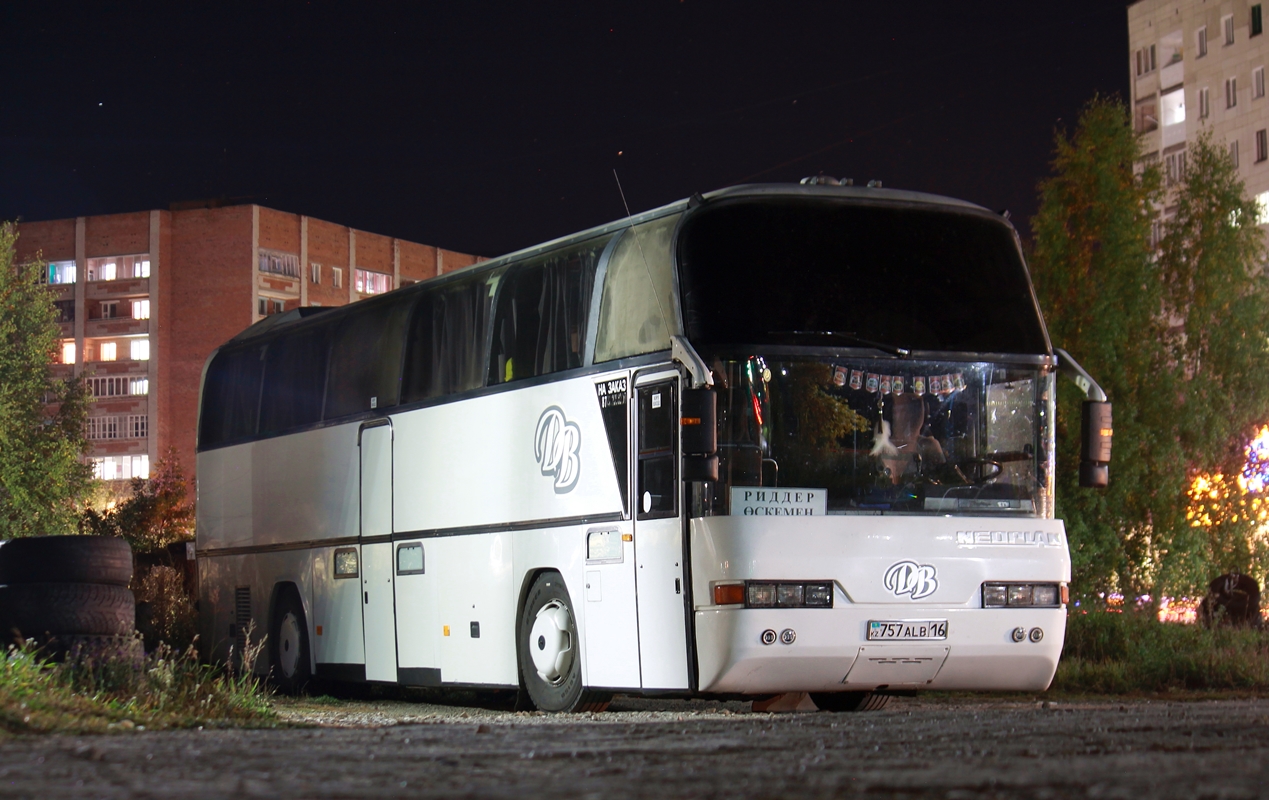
(781, 438)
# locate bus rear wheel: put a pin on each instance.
(288, 644)
(849, 701)
(549, 650)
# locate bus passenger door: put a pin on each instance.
(379, 620)
(658, 537)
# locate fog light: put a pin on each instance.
(819, 595)
(1019, 634)
(1036, 634)
(769, 636)
(1044, 594)
(1020, 594)
(761, 595)
(994, 594)
(789, 595)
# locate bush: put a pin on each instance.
(1110, 652)
(165, 613)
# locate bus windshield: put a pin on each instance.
(878, 436)
(919, 276)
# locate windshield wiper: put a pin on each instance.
(849, 337)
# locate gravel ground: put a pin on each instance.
(948, 748)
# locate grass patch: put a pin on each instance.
(116, 686)
(1124, 653)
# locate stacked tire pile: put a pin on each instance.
(64, 591)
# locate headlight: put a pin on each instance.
(760, 595)
(1022, 595)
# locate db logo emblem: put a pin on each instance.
(555, 444)
(913, 579)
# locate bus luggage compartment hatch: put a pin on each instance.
(896, 666)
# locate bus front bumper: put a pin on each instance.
(824, 650)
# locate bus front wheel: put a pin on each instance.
(849, 701)
(549, 650)
(288, 644)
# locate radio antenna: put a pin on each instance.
(647, 269)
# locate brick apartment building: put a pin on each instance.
(145, 297)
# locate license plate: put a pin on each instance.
(906, 630)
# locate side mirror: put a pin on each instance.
(698, 430)
(699, 422)
(1096, 433)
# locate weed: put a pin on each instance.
(1111, 652)
(112, 684)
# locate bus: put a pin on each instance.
(774, 439)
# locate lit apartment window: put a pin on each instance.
(1227, 25)
(109, 352)
(103, 428)
(1205, 103)
(1231, 92)
(110, 268)
(1146, 60)
(278, 263)
(68, 352)
(1201, 44)
(140, 309)
(138, 426)
(1258, 82)
(138, 386)
(373, 282)
(269, 305)
(337, 277)
(121, 468)
(1257, 22)
(315, 273)
(1262, 145)
(1233, 153)
(59, 272)
(110, 309)
(140, 349)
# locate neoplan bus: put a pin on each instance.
(779, 438)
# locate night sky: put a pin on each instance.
(485, 127)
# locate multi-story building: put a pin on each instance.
(145, 297)
(1199, 65)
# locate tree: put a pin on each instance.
(1100, 292)
(157, 514)
(1216, 299)
(43, 480)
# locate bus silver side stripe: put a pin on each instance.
(313, 544)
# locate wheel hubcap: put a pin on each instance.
(289, 645)
(553, 650)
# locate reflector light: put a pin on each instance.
(729, 594)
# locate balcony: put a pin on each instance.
(107, 290)
(125, 366)
(278, 283)
(116, 326)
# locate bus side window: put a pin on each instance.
(365, 361)
(445, 347)
(231, 396)
(294, 380)
(637, 315)
(543, 307)
(658, 456)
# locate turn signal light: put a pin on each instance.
(729, 594)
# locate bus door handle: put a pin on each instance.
(762, 476)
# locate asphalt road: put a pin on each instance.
(950, 748)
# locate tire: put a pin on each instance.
(31, 610)
(290, 662)
(66, 559)
(849, 701)
(548, 649)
